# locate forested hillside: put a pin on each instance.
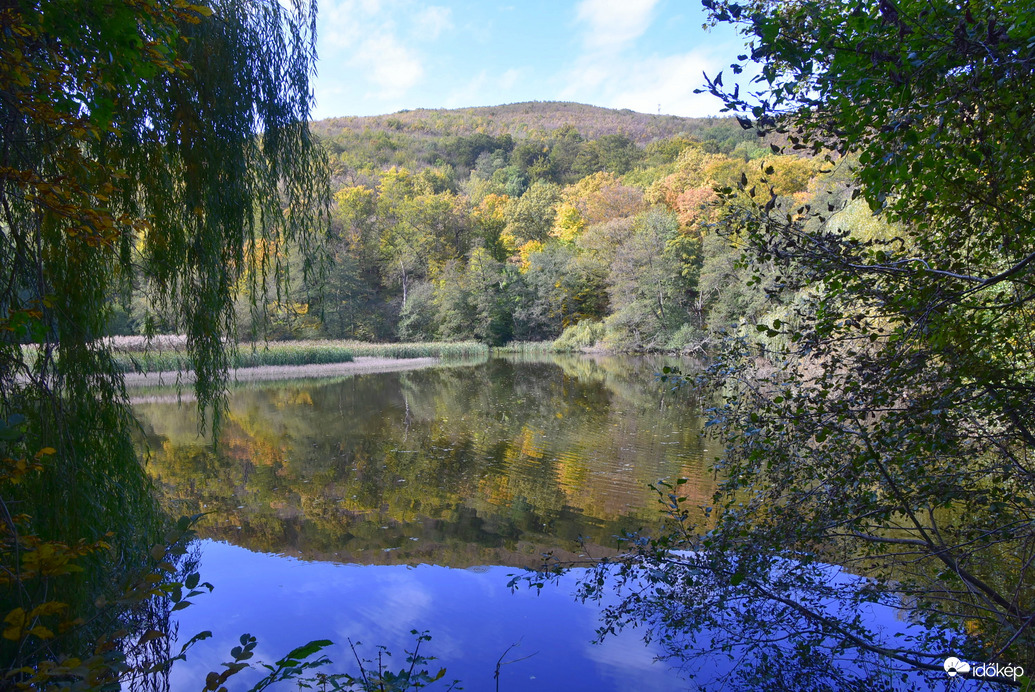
(535, 118)
(559, 142)
(523, 221)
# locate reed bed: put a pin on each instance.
(170, 354)
(289, 353)
(527, 347)
(445, 350)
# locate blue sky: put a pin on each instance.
(381, 56)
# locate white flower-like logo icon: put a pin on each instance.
(954, 666)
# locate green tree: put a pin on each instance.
(349, 300)
(454, 311)
(649, 299)
(167, 141)
(888, 425)
(404, 247)
(418, 316)
(443, 219)
(555, 292)
(488, 220)
(612, 153)
(490, 284)
(352, 296)
(531, 216)
(565, 150)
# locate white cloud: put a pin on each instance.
(608, 72)
(469, 94)
(343, 22)
(646, 85)
(669, 83)
(389, 66)
(612, 24)
(613, 70)
(401, 603)
(375, 51)
(432, 21)
(509, 78)
(378, 56)
(483, 89)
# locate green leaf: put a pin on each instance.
(307, 650)
(200, 636)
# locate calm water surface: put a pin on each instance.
(369, 506)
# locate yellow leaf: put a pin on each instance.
(48, 608)
(151, 635)
(15, 622)
(41, 632)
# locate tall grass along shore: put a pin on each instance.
(168, 353)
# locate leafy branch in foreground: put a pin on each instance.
(142, 143)
(378, 677)
(299, 666)
(884, 423)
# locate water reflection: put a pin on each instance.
(484, 467)
(490, 464)
(368, 506)
(472, 616)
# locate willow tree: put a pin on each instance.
(888, 425)
(151, 141)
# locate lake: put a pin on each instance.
(366, 507)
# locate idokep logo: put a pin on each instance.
(954, 666)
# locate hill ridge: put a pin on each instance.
(525, 119)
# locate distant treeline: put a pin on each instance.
(536, 120)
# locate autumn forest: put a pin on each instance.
(530, 222)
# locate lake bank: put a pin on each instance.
(360, 365)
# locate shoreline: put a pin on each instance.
(361, 365)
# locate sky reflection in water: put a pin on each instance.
(472, 616)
